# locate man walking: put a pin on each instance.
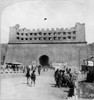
(33, 77)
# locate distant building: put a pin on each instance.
(46, 46)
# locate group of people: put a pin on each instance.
(64, 78)
(12, 67)
(30, 74)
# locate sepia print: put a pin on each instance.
(47, 49)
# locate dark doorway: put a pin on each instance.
(44, 60)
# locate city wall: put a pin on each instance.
(26, 53)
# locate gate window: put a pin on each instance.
(74, 32)
(49, 33)
(54, 33)
(74, 38)
(17, 38)
(30, 38)
(26, 38)
(22, 39)
(69, 32)
(45, 33)
(21, 33)
(31, 33)
(17, 33)
(35, 33)
(26, 34)
(64, 38)
(64, 33)
(69, 37)
(40, 33)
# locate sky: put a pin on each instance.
(59, 14)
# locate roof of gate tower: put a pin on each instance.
(74, 34)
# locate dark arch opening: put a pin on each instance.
(44, 60)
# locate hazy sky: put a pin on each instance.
(59, 14)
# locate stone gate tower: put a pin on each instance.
(45, 46)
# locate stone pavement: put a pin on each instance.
(16, 88)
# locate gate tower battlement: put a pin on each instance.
(74, 34)
(46, 45)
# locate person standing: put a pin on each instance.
(57, 77)
(71, 90)
(39, 69)
(27, 74)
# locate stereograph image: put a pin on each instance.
(47, 50)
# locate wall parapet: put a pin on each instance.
(73, 34)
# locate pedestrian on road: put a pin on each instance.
(57, 78)
(71, 90)
(39, 69)
(33, 77)
(27, 74)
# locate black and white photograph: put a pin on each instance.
(47, 49)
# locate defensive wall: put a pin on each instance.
(86, 53)
(58, 35)
(59, 45)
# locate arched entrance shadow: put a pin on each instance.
(44, 60)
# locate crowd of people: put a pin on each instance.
(12, 67)
(64, 78)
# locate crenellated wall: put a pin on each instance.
(58, 35)
(60, 45)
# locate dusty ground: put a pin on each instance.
(87, 90)
(16, 88)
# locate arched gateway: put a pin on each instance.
(43, 46)
(44, 60)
